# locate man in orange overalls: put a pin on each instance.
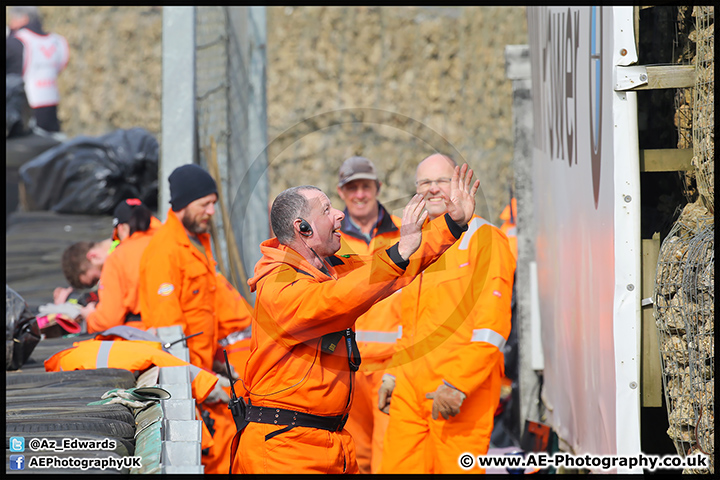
(179, 285)
(299, 379)
(449, 364)
(368, 228)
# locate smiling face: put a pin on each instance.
(432, 178)
(360, 197)
(325, 222)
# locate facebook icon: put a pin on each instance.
(17, 462)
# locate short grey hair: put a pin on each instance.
(286, 207)
(19, 11)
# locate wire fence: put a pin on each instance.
(698, 312)
(227, 101)
(684, 313)
(703, 130)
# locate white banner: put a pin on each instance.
(587, 204)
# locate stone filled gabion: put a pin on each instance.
(684, 313)
(703, 124)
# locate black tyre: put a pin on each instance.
(50, 414)
(30, 426)
(111, 376)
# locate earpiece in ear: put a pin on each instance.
(305, 228)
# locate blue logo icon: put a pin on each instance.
(17, 444)
(17, 462)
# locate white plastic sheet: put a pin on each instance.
(586, 189)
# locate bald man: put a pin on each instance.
(443, 384)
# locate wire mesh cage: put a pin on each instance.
(703, 124)
(698, 311)
(684, 314)
(684, 54)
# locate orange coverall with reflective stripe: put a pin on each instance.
(133, 355)
(377, 333)
(118, 285)
(296, 304)
(456, 318)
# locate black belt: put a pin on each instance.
(281, 416)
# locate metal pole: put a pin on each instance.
(178, 145)
(517, 59)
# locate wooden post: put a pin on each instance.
(651, 369)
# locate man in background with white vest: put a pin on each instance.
(39, 57)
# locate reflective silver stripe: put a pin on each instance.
(511, 232)
(399, 332)
(103, 354)
(378, 337)
(488, 336)
(473, 227)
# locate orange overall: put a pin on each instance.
(296, 305)
(377, 333)
(509, 226)
(133, 355)
(456, 319)
(118, 285)
(179, 286)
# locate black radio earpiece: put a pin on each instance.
(305, 228)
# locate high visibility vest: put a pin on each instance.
(44, 57)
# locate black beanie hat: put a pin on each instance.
(187, 184)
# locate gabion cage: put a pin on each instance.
(684, 314)
(698, 311)
(703, 125)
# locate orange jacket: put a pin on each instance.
(232, 311)
(118, 285)
(178, 287)
(379, 328)
(456, 314)
(296, 304)
(509, 226)
(133, 355)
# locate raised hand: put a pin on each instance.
(411, 229)
(461, 204)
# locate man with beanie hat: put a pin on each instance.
(179, 285)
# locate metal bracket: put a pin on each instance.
(628, 78)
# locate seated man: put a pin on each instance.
(82, 264)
